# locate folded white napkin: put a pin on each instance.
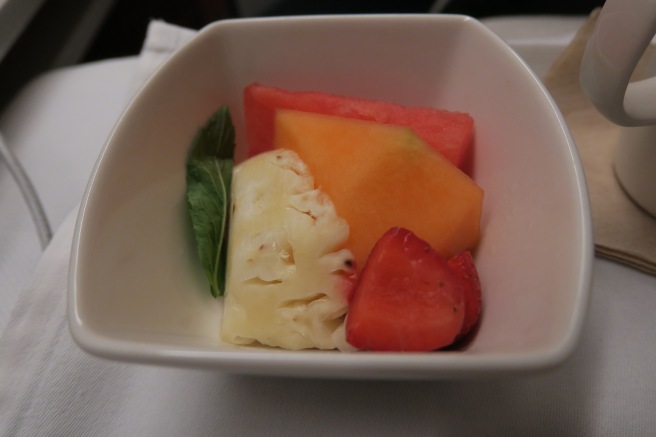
(49, 387)
(162, 39)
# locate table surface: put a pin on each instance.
(56, 127)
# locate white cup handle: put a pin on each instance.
(623, 31)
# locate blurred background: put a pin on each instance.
(124, 28)
(132, 16)
(39, 35)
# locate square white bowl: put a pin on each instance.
(137, 293)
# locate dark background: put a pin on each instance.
(124, 29)
(51, 41)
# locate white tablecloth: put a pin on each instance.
(48, 387)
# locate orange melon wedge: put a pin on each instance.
(379, 176)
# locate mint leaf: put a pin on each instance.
(209, 178)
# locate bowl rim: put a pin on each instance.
(330, 363)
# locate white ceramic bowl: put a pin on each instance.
(136, 293)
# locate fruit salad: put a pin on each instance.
(350, 226)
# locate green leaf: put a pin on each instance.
(209, 178)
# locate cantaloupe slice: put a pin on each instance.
(380, 176)
(449, 132)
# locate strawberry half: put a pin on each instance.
(407, 299)
(463, 265)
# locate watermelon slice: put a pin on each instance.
(450, 133)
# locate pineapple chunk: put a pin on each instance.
(288, 276)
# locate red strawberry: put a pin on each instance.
(463, 265)
(407, 299)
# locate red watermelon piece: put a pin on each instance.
(450, 133)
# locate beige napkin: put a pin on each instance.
(622, 231)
